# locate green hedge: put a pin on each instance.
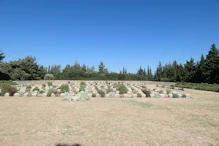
(199, 86)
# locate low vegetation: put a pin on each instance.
(64, 88)
(122, 89)
(199, 86)
(4, 85)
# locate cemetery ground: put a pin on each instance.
(111, 121)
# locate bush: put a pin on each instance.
(44, 85)
(67, 96)
(184, 95)
(28, 88)
(122, 89)
(199, 86)
(82, 86)
(36, 89)
(175, 95)
(64, 88)
(48, 77)
(11, 90)
(172, 86)
(102, 93)
(41, 92)
(4, 86)
(50, 84)
(147, 93)
(50, 91)
(81, 96)
(139, 95)
(168, 91)
(84, 96)
(94, 95)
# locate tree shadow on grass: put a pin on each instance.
(60, 144)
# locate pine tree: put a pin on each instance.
(212, 65)
(102, 68)
(140, 71)
(159, 71)
(189, 70)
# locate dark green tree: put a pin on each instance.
(158, 73)
(102, 68)
(211, 69)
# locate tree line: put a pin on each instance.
(206, 70)
(28, 69)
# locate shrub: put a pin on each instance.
(41, 92)
(139, 95)
(82, 86)
(81, 96)
(102, 93)
(199, 86)
(50, 84)
(115, 85)
(168, 91)
(28, 88)
(50, 91)
(183, 95)
(36, 89)
(48, 77)
(4, 86)
(84, 96)
(64, 88)
(175, 95)
(172, 86)
(67, 96)
(44, 85)
(11, 90)
(94, 95)
(147, 93)
(122, 89)
(82, 83)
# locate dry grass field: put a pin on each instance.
(49, 121)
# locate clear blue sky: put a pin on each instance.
(120, 33)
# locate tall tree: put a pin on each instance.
(189, 70)
(159, 71)
(212, 65)
(102, 68)
(140, 71)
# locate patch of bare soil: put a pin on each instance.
(102, 121)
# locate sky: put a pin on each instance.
(121, 33)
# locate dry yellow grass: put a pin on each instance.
(102, 121)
